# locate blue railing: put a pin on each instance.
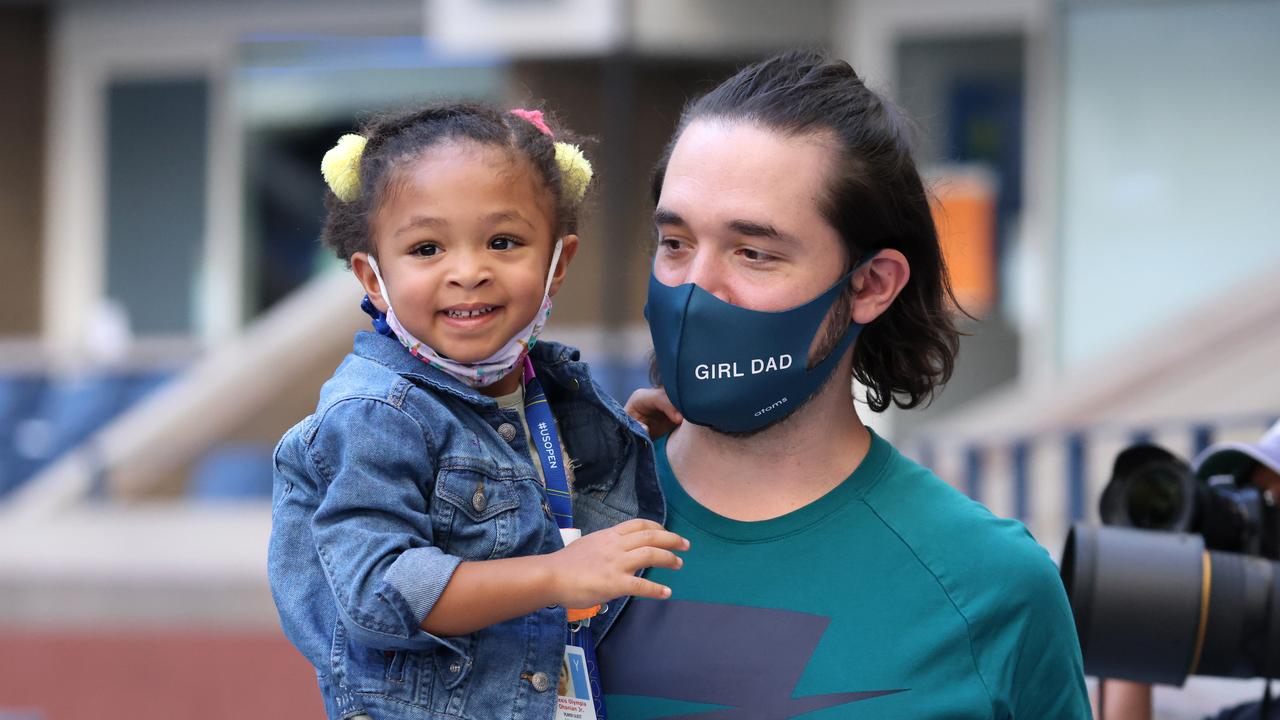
(42, 417)
(1077, 469)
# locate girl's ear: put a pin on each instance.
(568, 248)
(364, 273)
(877, 284)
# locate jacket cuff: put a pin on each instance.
(420, 576)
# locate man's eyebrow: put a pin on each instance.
(748, 228)
(755, 229)
(666, 217)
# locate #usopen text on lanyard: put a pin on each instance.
(579, 696)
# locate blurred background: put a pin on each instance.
(1102, 174)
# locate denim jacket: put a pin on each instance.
(402, 473)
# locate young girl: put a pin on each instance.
(416, 553)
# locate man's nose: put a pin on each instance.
(708, 272)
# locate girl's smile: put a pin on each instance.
(470, 315)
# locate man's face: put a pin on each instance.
(1266, 479)
(739, 216)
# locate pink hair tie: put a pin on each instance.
(534, 117)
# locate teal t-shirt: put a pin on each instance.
(892, 596)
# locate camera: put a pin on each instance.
(1153, 489)
(1181, 579)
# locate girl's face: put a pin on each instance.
(464, 238)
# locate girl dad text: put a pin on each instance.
(720, 371)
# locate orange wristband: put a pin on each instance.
(576, 615)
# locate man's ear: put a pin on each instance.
(364, 273)
(877, 284)
(568, 248)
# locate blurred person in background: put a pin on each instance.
(795, 252)
(1257, 464)
(420, 554)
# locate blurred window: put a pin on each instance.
(157, 135)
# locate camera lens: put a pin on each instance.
(1156, 606)
(1156, 499)
(1149, 488)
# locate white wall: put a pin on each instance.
(1170, 157)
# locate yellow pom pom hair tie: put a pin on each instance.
(575, 171)
(341, 167)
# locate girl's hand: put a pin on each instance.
(602, 565)
(653, 409)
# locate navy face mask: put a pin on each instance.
(734, 369)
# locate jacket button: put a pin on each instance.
(541, 681)
(507, 431)
(477, 501)
(456, 667)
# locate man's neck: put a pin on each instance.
(778, 470)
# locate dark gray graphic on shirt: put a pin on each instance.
(746, 658)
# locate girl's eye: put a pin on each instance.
(426, 250)
(502, 243)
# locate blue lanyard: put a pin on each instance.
(546, 441)
(542, 428)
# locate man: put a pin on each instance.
(828, 575)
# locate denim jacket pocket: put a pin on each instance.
(477, 517)
(364, 669)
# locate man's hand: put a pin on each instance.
(603, 565)
(653, 409)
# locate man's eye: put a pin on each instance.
(669, 243)
(426, 250)
(502, 243)
(754, 255)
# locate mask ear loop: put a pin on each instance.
(382, 288)
(551, 274)
(865, 260)
(846, 278)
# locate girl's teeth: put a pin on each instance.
(469, 313)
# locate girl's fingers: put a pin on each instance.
(636, 525)
(647, 403)
(654, 537)
(640, 401)
(664, 404)
(648, 557)
(648, 589)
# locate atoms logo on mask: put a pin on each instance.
(771, 408)
(757, 366)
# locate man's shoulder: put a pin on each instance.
(972, 552)
(1001, 581)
